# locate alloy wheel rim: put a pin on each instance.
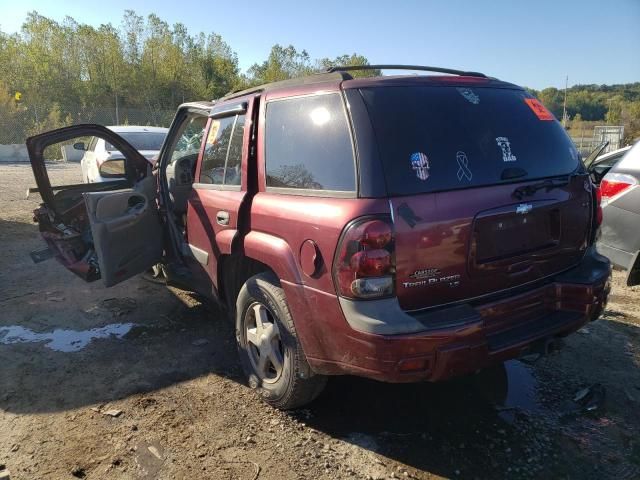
(264, 345)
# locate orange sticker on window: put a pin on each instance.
(213, 132)
(539, 109)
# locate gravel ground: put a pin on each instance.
(141, 381)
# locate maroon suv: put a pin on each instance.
(402, 228)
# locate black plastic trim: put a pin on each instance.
(371, 179)
(229, 110)
(424, 68)
(547, 324)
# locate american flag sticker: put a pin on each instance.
(420, 164)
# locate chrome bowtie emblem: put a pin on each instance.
(524, 208)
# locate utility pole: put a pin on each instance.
(564, 106)
(117, 115)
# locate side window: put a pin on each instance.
(308, 145)
(215, 151)
(223, 152)
(232, 172)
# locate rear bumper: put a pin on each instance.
(376, 339)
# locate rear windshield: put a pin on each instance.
(141, 140)
(434, 138)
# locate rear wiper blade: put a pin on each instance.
(549, 184)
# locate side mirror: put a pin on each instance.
(113, 168)
(79, 146)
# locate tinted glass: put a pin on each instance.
(610, 162)
(232, 175)
(215, 152)
(440, 138)
(142, 140)
(308, 144)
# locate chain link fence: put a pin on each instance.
(30, 120)
(587, 139)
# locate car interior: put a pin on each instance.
(601, 168)
(180, 171)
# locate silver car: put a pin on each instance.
(620, 230)
(147, 140)
(604, 162)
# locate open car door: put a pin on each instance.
(110, 229)
(595, 153)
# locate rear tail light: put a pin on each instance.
(596, 220)
(614, 184)
(364, 265)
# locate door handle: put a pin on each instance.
(222, 217)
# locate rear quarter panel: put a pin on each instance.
(297, 218)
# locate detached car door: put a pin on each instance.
(109, 230)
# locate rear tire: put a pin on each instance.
(269, 350)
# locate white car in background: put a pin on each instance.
(600, 164)
(147, 140)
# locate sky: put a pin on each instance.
(535, 43)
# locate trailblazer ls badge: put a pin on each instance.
(431, 276)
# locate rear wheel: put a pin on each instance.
(270, 353)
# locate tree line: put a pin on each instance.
(57, 73)
(609, 104)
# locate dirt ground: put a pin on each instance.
(140, 381)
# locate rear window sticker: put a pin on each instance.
(539, 109)
(469, 95)
(463, 167)
(420, 164)
(505, 146)
(213, 132)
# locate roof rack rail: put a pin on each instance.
(318, 77)
(451, 71)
